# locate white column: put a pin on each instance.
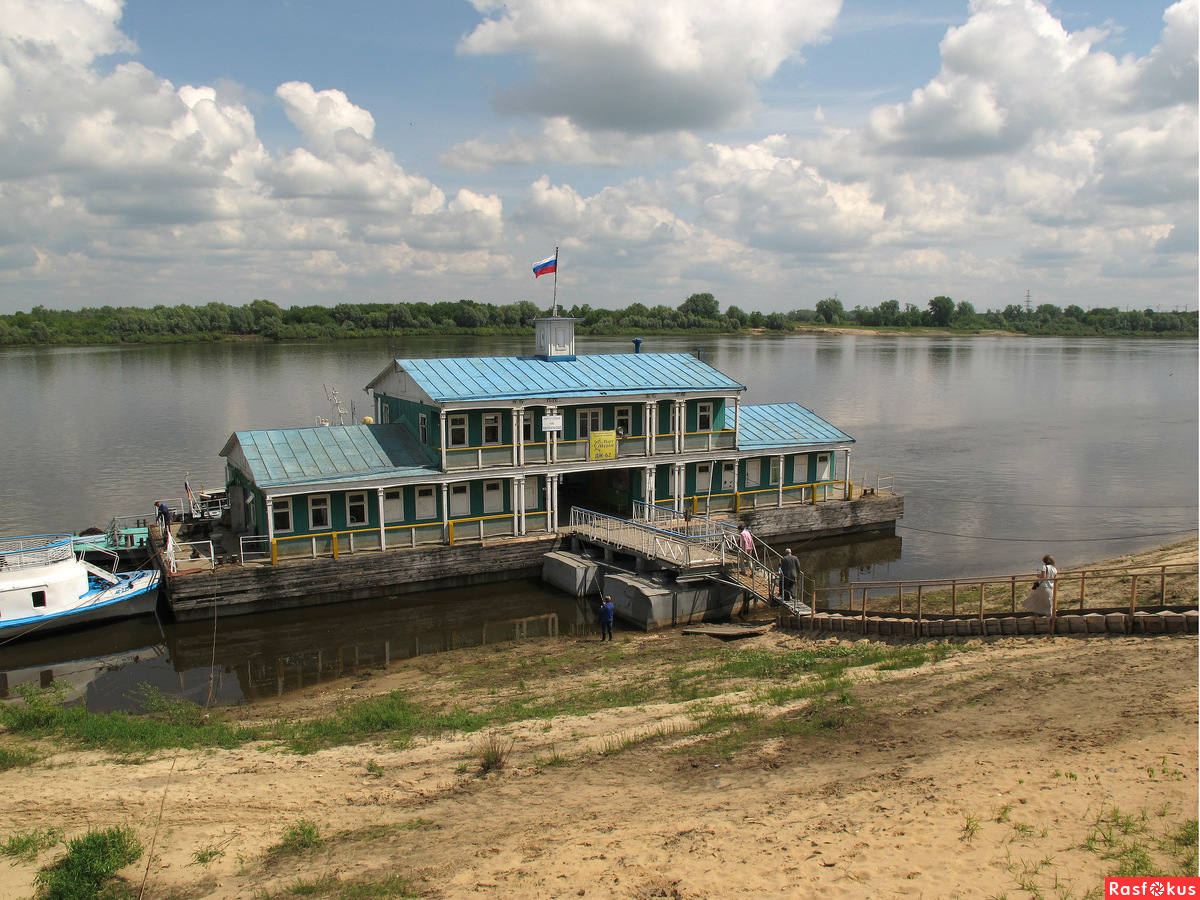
(442, 426)
(648, 491)
(846, 477)
(552, 490)
(779, 502)
(520, 438)
(737, 421)
(445, 512)
(680, 481)
(382, 536)
(680, 424)
(552, 438)
(648, 428)
(516, 436)
(271, 519)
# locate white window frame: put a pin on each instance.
(587, 415)
(458, 492)
(423, 427)
(703, 467)
(452, 424)
(527, 426)
(492, 420)
(753, 473)
(319, 502)
(393, 505)
(533, 493)
(428, 508)
(365, 519)
(623, 420)
(702, 410)
(775, 473)
(493, 497)
(385, 412)
(282, 505)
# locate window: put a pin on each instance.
(774, 470)
(800, 468)
(533, 493)
(426, 503)
(753, 473)
(703, 477)
(589, 421)
(493, 497)
(385, 412)
(356, 509)
(281, 516)
(393, 506)
(423, 427)
(460, 500)
(39, 599)
(491, 428)
(624, 421)
(318, 513)
(704, 417)
(458, 431)
(527, 427)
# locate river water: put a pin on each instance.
(1005, 448)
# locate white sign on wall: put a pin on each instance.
(552, 423)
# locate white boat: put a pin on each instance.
(46, 585)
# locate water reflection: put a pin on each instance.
(241, 658)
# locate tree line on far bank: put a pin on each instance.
(264, 320)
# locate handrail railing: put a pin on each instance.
(683, 550)
(969, 595)
(34, 550)
(172, 552)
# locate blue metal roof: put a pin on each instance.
(515, 377)
(785, 425)
(283, 457)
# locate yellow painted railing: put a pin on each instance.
(337, 543)
(809, 493)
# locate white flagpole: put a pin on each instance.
(555, 311)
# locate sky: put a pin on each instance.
(770, 152)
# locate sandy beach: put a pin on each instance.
(665, 765)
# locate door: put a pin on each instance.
(729, 476)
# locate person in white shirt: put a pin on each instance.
(1040, 601)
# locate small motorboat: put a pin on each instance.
(46, 585)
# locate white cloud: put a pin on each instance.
(123, 175)
(562, 141)
(627, 65)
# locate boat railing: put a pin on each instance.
(35, 550)
(670, 519)
(684, 550)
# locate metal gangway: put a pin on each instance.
(693, 546)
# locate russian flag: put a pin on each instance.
(546, 266)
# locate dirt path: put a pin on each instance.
(971, 776)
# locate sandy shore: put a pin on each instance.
(1013, 767)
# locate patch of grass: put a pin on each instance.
(493, 753)
(374, 768)
(1182, 845)
(206, 855)
(89, 866)
(25, 846)
(969, 830)
(16, 758)
(167, 723)
(554, 759)
(1003, 812)
(297, 838)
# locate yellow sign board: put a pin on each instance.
(602, 445)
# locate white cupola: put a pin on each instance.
(554, 338)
